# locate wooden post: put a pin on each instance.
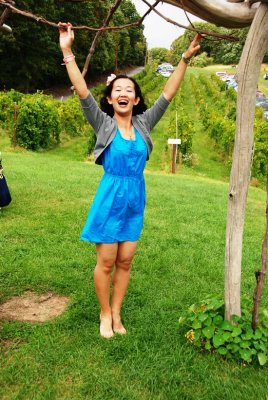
(174, 156)
(174, 143)
(247, 75)
(15, 126)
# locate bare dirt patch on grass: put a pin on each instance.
(32, 307)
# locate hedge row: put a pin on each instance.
(42, 121)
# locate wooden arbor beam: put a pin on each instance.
(219, 12)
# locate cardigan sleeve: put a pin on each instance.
(154, 113)
(93, 113)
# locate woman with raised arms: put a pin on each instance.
(123, 126)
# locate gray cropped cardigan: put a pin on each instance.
(105, 127)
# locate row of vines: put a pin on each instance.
(217, 110)
(179, 119)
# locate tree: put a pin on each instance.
(31, 48)
(159, 55)
(34, 58)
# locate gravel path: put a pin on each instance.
(62, 92)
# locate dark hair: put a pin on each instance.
(108, 108)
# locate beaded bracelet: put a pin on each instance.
(68, 59)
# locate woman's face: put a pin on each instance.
(123, 97)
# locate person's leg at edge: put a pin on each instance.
(106, 257)
(121, 275)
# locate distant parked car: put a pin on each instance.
(231, 83)
(265, 114)
(260, 99)
(265, 76)
(260, 95)
(165, 69)
(264, 104)
(227, 77)
(166, 74)
(224, 77)
(220, 73)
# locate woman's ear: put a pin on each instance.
(109, 99)
(137, 100)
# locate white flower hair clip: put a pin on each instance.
(110, 79)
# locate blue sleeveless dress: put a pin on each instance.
(117, 211)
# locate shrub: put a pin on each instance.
(7, 103)
(72, 119)
(38, 124)
(202, 60)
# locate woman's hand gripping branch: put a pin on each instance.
(66, 40)
(174, 82)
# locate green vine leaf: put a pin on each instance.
(218, 340)
(245, 345)
(257, 334)
(208, 331)
(236, 331)
(227, 326)
(245, 354)
(196, 324)
(217, 320)
(222, 350)
(262, 358)
(202, 317)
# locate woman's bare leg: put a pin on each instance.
(106, 257)
(125, 254)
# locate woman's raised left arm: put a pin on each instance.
(174, 81)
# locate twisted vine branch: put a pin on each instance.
(11, 8)
(15, 10)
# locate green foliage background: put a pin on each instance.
(43, 122)
(30, 57)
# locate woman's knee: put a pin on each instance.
(105, 265)
(106, 257)
(124, 263)
(125, 254)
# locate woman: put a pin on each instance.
(123, 145)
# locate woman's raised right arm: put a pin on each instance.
(66, 41)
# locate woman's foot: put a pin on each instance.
(106, 326)
(118, 327)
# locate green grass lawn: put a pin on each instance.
(179, 261)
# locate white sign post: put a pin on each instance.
(174, 143)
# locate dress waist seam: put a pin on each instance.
(135, 177)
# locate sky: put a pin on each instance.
(158, 32)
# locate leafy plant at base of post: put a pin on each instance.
(236, 339)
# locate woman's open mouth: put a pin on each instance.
(123, 102)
